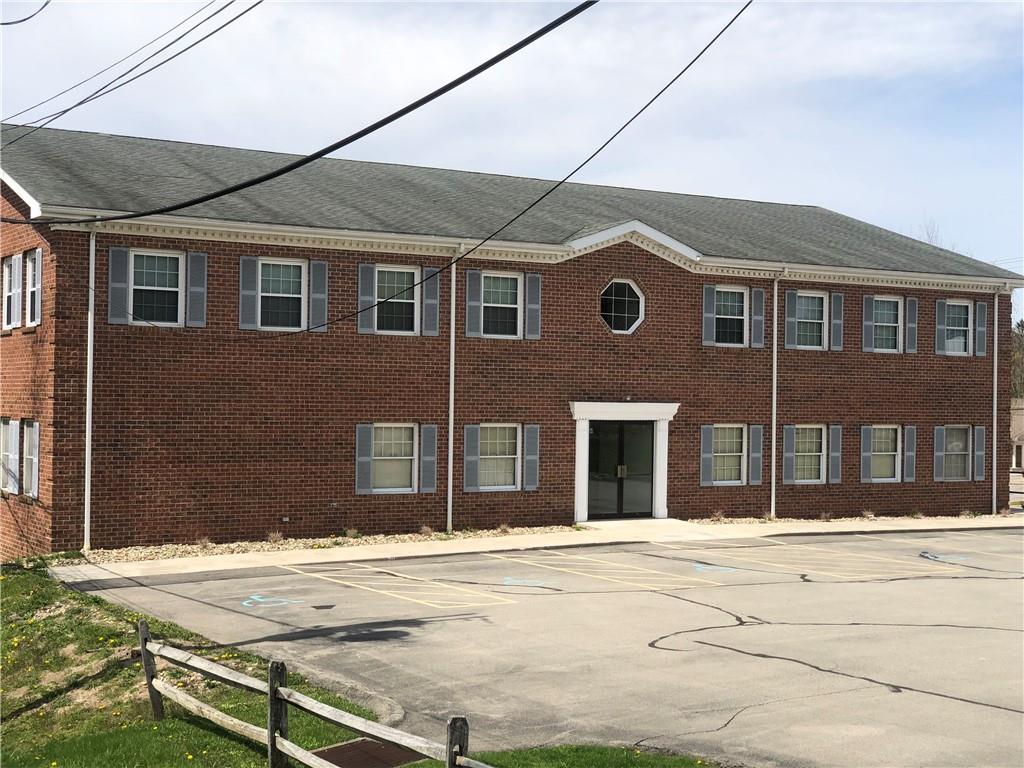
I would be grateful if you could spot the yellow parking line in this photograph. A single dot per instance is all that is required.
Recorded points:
(903, 563)
(638, 568)
(653, 580)
(933, 543)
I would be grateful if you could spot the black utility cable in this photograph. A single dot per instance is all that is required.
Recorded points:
(304, 161)
(108, 67)
(536, 202)
(26, 18)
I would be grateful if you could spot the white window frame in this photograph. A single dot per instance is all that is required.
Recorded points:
(519, 304)
(416, 311)
(304, 300)
(414, 474)
(970, 327)
(29, 477)
(180, 256)
(743, 455)
(519, 460)
(899, 325)
(899, 453)
(746, 314)
(8, 277)
(34, 257)
(970, 455)
(823, 295)
(643, 305)
(822, 458)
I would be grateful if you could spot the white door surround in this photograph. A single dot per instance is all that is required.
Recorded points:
(585, 412)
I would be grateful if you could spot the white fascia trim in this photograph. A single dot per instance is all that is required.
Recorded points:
(627, 231)
(595, 411)
(34, 208)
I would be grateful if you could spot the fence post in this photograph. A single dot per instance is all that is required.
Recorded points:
(149, 667)
(458, 740)
(277, 713)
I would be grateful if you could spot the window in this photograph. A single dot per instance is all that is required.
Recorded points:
(622, 306)
(282, 294)
(33, 289)
(394, 458)
(809, 454)
(1018, 456)
(499, 457)
(399, 286)
(156, 291)
(957, 450)
(8, 455)
(887, 321)
(811, 328)
(731, 316)
(958, 328)
(501, 295)
(30, 459)
(729, 452)
(10, 319)
(885, 454)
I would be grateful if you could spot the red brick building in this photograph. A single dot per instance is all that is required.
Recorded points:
(615, 352)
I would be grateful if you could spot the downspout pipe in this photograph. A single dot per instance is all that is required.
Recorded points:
(995, 399)
(775, 384)
(89, 362)
(449, 521)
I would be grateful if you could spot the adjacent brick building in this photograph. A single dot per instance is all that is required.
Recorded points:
(616, 352)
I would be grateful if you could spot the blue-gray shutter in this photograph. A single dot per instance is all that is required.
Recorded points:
(248, 293)
(430, 323)
(532, 327)
(474, 302)
(757, 317)
(428, 458)
(195, 299)
(980, 327)
(790, 342)
(788, 454)
(868, 338)
(367, 298)
(836, 339)
(835, 453)
(911, 344)
(709, 316)
(531, 457)
(117, 286)
(865, 454)
(707, 456)
(939, 454)
(364, 458)
(471, 458)
(979, 453)
(318, 296)
(940, 327)
(756, 454)
(909, 454)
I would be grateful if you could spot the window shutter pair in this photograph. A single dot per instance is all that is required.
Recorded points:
(249, 294)
(755, 454)
(427, 458)
(118, 270)
(939, 454)
(471, 457)
(475, 304)
(12, 470)
(834, 465)
(756, 317)
(430, 291)
(835, 321)
(909, 449)
(980, 327)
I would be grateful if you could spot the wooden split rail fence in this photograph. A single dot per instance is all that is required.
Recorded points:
(279, 697)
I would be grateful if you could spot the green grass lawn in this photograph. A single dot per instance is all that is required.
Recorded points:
(73, 694)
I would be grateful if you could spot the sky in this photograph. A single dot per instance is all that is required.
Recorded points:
(904, 114)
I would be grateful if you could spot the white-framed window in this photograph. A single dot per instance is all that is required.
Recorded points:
(282, 294)
(33, 288)
(885, 453)
(888, 324)
(958, 327)
(809, 453)
(811, 320)
(500, 448)
(9, 278)
(30, 459)
(957, 453)
(393, 469)
(156, 290)
(731, 315)
(622, 306)
(400, 313)
(8, 455)
(502, 304)
(729, 449)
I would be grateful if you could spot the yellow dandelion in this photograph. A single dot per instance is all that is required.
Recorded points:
(189, 757)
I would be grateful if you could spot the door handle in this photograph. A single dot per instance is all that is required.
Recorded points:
(620, 471)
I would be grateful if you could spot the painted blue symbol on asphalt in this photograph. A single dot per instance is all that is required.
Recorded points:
(720, 568)
(267, 601)
(943, 557)
(513, 582)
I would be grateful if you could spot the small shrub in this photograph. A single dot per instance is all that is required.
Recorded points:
(274, 537)
(916, 515)
(718, 515)
(504, 529)
(204, 542)
(825, 517)
(352, 533)
(867, 513)
(426, 530)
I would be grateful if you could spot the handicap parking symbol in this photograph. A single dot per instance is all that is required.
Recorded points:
(268, 601)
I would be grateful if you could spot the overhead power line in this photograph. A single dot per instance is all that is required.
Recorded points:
(350, 139)
(110, 88)
(108, 67)
(26, 18)
(537, 201)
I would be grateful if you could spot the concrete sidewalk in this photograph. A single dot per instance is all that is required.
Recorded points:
(590, 534)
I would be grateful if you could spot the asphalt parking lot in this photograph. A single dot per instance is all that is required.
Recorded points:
(846, 650)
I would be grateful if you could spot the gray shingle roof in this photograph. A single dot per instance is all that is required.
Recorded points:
(122, 173)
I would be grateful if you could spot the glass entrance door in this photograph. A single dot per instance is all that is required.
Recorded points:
(621, 482)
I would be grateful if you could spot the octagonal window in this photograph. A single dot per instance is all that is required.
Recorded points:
(622, 306)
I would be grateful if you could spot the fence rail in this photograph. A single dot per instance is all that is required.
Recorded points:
(279, 698)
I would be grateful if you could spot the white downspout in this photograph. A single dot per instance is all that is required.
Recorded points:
(775, 382)
(87, 523)
(995, 396)
(451, 392)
